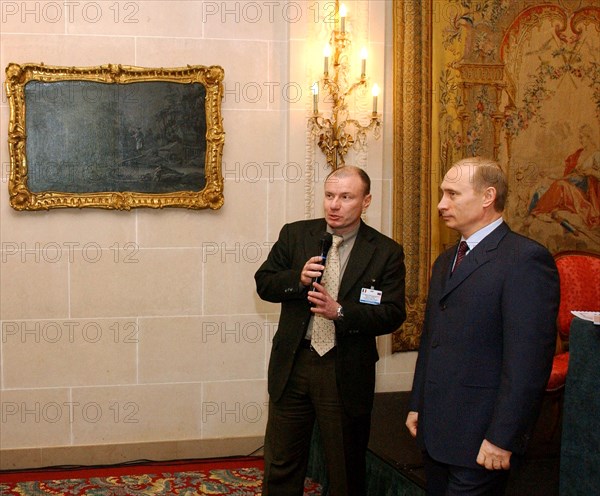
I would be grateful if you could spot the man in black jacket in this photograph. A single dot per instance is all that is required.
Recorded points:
(335, 386)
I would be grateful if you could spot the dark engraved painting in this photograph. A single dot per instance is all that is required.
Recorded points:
(85, 136)
(115, 137)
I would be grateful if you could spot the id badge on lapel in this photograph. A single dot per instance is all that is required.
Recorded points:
(370, 296)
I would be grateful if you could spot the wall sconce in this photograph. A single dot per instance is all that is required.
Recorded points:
(336, 134)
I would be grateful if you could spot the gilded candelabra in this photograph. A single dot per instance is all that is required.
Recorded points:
(337, 133)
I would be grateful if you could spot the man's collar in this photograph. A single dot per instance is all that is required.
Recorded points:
(478, 236)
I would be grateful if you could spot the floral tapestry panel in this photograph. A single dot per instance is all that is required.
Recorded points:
(520, 82)
(552, 126)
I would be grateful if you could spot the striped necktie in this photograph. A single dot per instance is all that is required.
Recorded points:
(463, 248)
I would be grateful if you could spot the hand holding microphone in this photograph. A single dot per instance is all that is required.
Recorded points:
(326, 242)
(313, 269)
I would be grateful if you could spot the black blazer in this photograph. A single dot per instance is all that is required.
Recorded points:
(486, 349)
(375, 261)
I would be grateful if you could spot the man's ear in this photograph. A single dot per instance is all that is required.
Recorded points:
(489, 196)
(366, 202)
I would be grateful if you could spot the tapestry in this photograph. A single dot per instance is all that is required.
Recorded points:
(520, 82)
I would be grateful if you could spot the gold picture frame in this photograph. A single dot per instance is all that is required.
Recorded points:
(414, 223)
(115, 137)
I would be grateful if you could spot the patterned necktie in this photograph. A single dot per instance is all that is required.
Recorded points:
(323, 332)
(463, 248)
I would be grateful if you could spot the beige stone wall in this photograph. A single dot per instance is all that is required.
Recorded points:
(139, 334)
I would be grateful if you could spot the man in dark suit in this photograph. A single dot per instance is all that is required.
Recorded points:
(488, 340)
(305, 381)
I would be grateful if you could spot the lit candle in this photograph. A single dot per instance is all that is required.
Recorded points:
(326, 53)
(315, 92)
(363, 56)
(375, 95)
(343, 13)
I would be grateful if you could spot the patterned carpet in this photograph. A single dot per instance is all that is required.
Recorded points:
(209, 480)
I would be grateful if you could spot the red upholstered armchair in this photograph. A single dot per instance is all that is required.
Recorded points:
(579, 274)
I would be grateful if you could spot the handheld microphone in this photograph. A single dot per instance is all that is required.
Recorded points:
(326, 242)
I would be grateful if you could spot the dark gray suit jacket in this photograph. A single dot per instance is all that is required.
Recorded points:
(375, 261)
(486, 349)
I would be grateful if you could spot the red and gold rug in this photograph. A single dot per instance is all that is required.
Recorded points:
(241, 477)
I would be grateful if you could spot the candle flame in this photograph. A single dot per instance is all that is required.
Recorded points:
(375, 90)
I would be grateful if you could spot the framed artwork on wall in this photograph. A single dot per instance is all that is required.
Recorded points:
(115, 137)
(520, 83)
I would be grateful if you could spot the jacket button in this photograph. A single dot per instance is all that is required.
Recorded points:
(443, 306)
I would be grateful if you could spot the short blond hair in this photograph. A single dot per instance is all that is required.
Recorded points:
(487, 173)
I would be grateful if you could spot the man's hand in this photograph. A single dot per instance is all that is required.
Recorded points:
(312, 268)
(323, 304)
(493, 457)
(412, 421)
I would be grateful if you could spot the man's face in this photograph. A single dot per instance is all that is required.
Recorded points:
(461, 207)
(344, 202)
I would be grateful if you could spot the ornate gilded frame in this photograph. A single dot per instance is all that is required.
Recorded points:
(210, 187)
(413, 170)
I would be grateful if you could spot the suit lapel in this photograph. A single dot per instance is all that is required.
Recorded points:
(478, 256)
(312, 242)
(360, 256)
